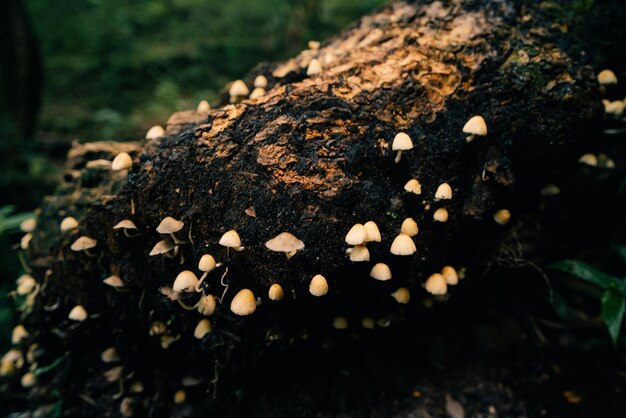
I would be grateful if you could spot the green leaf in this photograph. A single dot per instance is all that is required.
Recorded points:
(11, 223)
(51, 366)
(613, 309)
(589, 273)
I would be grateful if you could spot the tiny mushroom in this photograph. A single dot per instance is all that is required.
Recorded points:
(25, 241)
(450, 275)
(401, 142)
(231, 240)
(403, 245)
(285, 243)
(402, 295)
(359, 253)
(203, 107)
(169, 226)
(84, 243)
(436, 284)
(202, 329)
(368, 323)
(207, 305)
(186, 281)
(260, 81)
(441, 215)
(126, 407)
(206, 265)
(28, 225)
(18, 334)
(244, 303)
(155, 132)
(409, 227)
(25, 284)
(180, 396)
(28, 380)
(381, 271)
(357, 235)
(502, 217)
(164, 246)
(237, 91)
(276, 292)
(67, 224)
(126, 225)
(257, 92)
(318, 285)
(78, 313)
(475, 126)
(589, 159)
(340, 322)
(122, 161)
(444, 192)
(373, 233)
(413, 186)
(314, 67)
(114, 281)
(606, 77)
(109, 355)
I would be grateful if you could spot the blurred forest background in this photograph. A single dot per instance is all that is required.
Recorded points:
(92, 70)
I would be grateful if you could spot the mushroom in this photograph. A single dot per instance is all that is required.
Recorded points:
(413, 186)
(381, 271)
(78, 313)
(109, 355)
(18, 334)
(402, 295)
(314, 68)
(122, 161)
(276, 292)
(25, 241)
(202, 329)
(550, 190)
(163, 247)
(127, 225)
(169, 226)
(244, 303)
(126, 407)
(444, 192)
(401, 142)
(28, 225)
(257, 92)
(403, 245)
(318, 285)
(180, 396)
(285, 243)
(313, 45)
(450, 275)
(203, 107)
(207, 305)
(84, 243)
(475, 126)
(589, 159)
(67, 224)
(28, 380)
(155, 132)
(260, 81)
(357, 235)
(373, 233)
(409, 227)
(340, 322)
(237, 91)
(502, 217)
(441, 215)
(359, 253)
(367, 323)
(206, 265)
(436, 284)
(606, 77)
(114, 281)
(186, 281)
(25, 284)
(231, 240)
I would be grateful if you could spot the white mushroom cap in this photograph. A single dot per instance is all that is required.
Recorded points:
(244, 303)
(502, 217)
(475, 126)
(413, 186)
(340, 322)
(78, 313)
(28, 225)
(169, 225)
(589, 159)
(372, 231)
(69, 223)
(25, 241)
(402, 295)
(401, 142)
(360, 253)
(409, 227)
(450, 275)
(436, 284)
(207, 305)
(114, 281)
(550, 190)
(381, 271)
(441, 215)
(162, 247)
(203, 106)
(313, 45)
(318, 285)
(122, 161)
(180, 396)
(18, 334)
(276, 292)
(403, 245)
(315, 67)
(202, 329)
(231, 239)
(83, 243)
(28, 380)
(444, 192)
(125, 224)
(357, 235)
(260, 81)
(285, 243)
(607, 77)
(155, 132)
(367, 323)
(238, 89)
(186, 281)
(207, 263)
(25, 284)
(257, 92)
(109, 355)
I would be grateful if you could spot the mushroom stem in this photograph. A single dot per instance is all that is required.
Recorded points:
(223, 284)
(176, 240)
(397, 160)
(187, 307)
(89, 253)
(290, 254)
(129, 235)
(25, 266)
(470, 138)
(199, 285)
(172, 254)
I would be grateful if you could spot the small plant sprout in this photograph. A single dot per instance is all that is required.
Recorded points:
(257, 92)
(127, 226)
(436, 285)
(244, 303)
(28, 380)
(403, 245)
(502, 217)
(606, 77)
(238, 91)
(318, 285)
(202, 329)
(180, 396)
(440, 215)
(340, 322)
(381, 271)
(475, 126)
(155, 132)
(207, 305)
(231, 240)
(78, 313)
(203, 107)
(260, 81)
(450, 275)
(401, 142)
(18, 334)
(126, 407)
(314, 67)
(122, 161)
(413, 186)
(359, 253)
(276, 292)
(25, 241)
(285, 243)
(409, 227)
(170, 226)
(28, 225)
(164, 246)
(114, 281)
(206, 265)
(589, 159)
(68, 224)
(109, 355)
(357, 235)
(84, 244)
(186, 281)
(402, 295)
(444, 192)
(373, 233)
(25, 284)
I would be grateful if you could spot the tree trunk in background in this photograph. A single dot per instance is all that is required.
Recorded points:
(312, 157)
